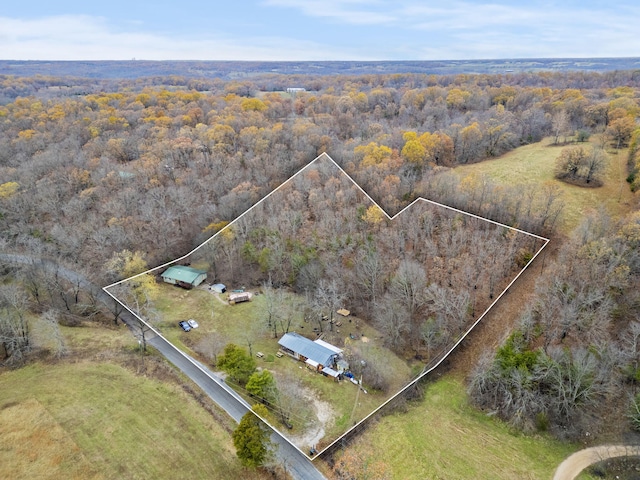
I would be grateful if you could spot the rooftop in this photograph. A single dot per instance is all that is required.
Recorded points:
(307, 348)
(182, 273)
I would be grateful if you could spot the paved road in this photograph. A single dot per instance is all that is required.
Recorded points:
(571, 467)
(54, 268)
(297, 464)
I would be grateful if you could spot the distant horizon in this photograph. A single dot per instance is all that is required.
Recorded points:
(405, 60)
(247, 69)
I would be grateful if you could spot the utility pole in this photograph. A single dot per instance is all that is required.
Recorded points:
(353, 412)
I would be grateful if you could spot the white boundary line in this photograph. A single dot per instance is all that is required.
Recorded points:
(412, 382)
(439, 362)
(224, 386)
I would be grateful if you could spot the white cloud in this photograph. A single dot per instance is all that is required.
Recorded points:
(354, 12)
(459, 16)
(465, 29)
(373, 30)
(463, 14)
(75, 37)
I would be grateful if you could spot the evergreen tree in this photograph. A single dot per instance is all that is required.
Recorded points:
(251, 439)
(237, 363)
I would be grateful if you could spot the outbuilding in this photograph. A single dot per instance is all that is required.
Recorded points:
(184, 276)
(239, 297)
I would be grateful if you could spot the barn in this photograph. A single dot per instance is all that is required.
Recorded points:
(186, 277)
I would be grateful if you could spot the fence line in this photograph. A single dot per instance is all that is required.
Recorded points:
(426, 370)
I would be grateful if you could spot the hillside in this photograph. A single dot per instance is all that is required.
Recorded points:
(533, 165)
(111, 176)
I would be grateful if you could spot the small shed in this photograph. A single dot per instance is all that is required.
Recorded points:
(184, 276)
(218, 288)
(330, 372)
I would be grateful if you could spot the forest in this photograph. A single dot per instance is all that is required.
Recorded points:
(94, 171)
(228, 70)
(413, 285)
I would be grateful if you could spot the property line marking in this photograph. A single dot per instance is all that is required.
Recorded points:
(290, 179)
(425, 371)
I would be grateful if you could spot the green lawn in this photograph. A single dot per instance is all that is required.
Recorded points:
(123, 425)
(237, 323)
(444, 437)
(534, 164)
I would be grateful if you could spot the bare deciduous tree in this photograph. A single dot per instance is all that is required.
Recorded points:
(15, 332)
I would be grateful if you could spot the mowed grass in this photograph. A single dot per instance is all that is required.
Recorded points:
(214, 315)
(534, 164)
(237, 323)
(444, 437)
(99, 420)
(34, 445)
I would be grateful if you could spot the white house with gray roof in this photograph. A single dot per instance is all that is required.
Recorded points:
(318, 354)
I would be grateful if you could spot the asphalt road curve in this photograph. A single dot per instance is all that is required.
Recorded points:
(571, 467)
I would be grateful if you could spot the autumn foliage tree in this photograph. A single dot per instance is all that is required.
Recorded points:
(142, 288)
(619, 131)
(581, 165)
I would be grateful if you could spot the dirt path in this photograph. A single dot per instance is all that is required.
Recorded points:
(576, 463)
(324, 414)
(217, 296)
(502, 318)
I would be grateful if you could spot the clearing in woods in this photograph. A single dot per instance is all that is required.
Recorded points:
(534, 165)
(322, 183)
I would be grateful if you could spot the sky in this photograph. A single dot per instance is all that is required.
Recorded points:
(314, 30)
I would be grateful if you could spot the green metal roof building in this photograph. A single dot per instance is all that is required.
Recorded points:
(184, 276)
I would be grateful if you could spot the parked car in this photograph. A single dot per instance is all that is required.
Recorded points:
(192, 323)
(184, 325)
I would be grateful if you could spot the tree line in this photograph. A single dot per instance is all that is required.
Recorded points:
(575, 353)
(100, 174)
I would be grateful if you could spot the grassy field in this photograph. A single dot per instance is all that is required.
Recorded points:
(534, 164)
(40, 447)
(239, 322)
(443, 437)
(86, 417)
